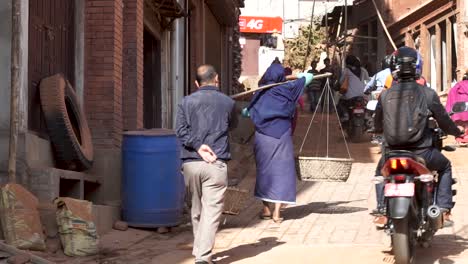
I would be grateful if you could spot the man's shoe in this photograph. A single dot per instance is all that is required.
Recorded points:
(380, 221)
(378, 211)
(447, 216)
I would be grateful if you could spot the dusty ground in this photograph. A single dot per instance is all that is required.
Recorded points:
(329, 224)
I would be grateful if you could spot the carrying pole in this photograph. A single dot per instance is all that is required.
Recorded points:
(15, 86)
(383, 25)
(316, 77)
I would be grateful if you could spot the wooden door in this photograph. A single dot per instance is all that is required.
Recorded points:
(152, 94)
(51, 50)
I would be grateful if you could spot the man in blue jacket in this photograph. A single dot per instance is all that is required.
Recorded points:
(203, 122)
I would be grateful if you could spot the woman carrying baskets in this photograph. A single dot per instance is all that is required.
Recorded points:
(272, 112)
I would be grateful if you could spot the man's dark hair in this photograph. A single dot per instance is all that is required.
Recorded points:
(326, 59)
(206, 74)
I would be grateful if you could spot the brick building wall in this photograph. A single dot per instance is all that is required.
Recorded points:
(133, 65)
(103, 71)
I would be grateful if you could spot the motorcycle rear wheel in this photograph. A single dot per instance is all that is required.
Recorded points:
(356, 133)
(401, 241)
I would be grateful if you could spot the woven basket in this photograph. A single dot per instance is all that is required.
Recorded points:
(234, 200)
(323, 169)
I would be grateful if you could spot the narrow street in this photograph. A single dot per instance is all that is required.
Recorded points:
(329, 224)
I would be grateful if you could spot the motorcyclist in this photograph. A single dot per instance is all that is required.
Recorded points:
(351, 85)
(377, 82)
(406, 65)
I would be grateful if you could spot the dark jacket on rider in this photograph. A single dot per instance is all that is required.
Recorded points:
(438, 113)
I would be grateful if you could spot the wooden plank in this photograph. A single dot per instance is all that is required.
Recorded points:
(426, 51)
(14, 251)
(409, 40)
(449, 46)
(429, 19)
(438, 58)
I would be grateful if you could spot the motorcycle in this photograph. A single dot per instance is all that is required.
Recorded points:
(410, 194)
(370, 110)
(356, 123)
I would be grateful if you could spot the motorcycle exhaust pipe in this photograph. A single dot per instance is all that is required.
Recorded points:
(435, 217)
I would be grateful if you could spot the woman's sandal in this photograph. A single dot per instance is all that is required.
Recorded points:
(265, 217)
(278, 220)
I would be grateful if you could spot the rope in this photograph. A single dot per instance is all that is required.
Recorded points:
(341, 127)
(329, 94)
(310, 124)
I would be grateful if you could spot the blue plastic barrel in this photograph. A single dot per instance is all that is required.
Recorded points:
(153, 186)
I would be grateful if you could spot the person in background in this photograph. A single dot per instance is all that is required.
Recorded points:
(314, 89)
(327, 69)
(205, 152)
(272, 111)
(351, 85)
(377, 82)
(459, 93)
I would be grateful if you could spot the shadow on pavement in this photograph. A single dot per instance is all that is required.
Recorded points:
(443, 249)
(246, 251)
(302, 211)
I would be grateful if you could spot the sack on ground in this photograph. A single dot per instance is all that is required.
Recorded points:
(405, 114)
(76, 228)
(20, 218)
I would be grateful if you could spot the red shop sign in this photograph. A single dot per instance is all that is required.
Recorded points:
(260, 24)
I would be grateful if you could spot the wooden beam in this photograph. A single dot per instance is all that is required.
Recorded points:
(409, 42)
(437, 8)
(426, 51)
(449, 46)
(438, 58)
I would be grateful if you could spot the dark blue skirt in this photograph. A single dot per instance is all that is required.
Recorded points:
(276, 171)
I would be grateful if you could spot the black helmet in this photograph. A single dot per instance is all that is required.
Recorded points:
(386, 62)
(352, 60)
(405, 63)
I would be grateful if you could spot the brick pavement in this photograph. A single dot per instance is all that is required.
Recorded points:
(329, 224)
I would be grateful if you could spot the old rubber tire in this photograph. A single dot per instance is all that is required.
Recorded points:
(66, 124)
(401, 241)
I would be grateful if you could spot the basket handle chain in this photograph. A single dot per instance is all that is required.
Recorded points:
(329, 95)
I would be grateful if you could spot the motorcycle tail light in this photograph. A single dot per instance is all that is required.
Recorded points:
(394, 164)
(426, 178)
(399, 178)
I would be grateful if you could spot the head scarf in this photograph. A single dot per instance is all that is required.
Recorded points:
(274, 74)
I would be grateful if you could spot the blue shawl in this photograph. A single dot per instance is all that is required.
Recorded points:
(272, 110)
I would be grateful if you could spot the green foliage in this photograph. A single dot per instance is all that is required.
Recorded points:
(296, 49)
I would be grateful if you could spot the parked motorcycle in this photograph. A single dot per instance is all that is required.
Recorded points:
(410, 194)
(356, 124)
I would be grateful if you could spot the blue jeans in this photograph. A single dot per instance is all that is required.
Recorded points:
(435, 161)
(314, 96)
